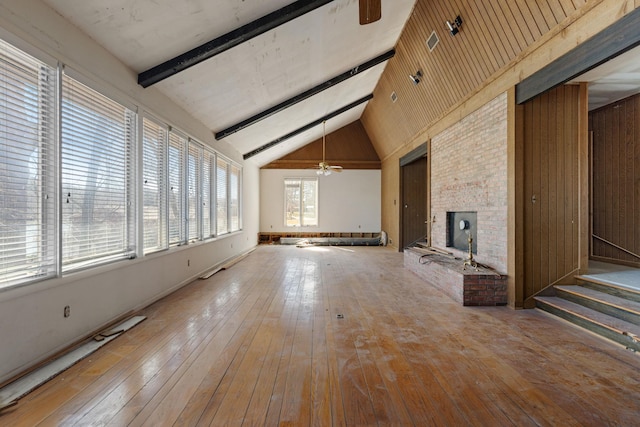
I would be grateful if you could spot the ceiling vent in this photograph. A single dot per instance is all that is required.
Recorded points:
(394, 97)
(432, 41)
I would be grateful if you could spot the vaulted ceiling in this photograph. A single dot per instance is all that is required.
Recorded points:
(324, 49)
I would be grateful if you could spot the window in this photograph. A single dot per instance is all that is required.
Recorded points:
(27, 168)
(208, 166)
(154, 188)
(177, 148)
(69, 172)
(234, 198)
(98, 137)
(194, 191)
(222, 219)
(300, 202)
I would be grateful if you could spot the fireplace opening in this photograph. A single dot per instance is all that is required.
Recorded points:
(459, 226)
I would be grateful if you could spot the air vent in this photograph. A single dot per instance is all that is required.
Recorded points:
(394, 97)
(432, 41)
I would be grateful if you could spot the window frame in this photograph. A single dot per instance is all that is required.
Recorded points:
(83, 97)
(301, 207)
(123, 156)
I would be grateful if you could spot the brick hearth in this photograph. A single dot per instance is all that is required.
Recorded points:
(466, 286)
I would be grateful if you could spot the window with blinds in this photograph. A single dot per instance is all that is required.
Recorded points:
(222, 210)
(208, 166)
(154, 188)
(194, 191)
(27, 168)
(177, 216)
(97, 146)
(234, 198)
(69, 202)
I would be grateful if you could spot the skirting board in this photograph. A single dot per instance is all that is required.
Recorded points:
(23, 385)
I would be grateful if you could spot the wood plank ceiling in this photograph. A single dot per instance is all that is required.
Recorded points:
(493, 33)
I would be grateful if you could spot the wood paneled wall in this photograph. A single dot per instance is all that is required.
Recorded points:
(493, 34)
(349, 147)
(615, 180)
(467, 71)
(551, 188)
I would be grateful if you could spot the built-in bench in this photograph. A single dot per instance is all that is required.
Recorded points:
(468, 286)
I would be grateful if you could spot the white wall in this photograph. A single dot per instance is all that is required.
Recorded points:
(32, 325)
(348, 201)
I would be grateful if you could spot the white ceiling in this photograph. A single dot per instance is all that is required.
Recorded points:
(255, 75)
(614, 80)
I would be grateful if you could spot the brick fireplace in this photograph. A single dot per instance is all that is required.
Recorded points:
(469, 175)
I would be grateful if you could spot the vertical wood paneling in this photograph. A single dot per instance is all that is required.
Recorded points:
(493, 33)
(551, 177)
(616, 180)
(349, 147)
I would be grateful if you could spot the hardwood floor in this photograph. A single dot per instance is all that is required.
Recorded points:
(262, 344)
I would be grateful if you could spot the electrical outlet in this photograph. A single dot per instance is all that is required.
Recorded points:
(67, 311)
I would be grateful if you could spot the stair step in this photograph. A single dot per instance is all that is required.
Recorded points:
(610, 288)
(620, 331)
(610, 304)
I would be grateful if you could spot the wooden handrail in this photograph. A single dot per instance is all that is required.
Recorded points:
(615, 246)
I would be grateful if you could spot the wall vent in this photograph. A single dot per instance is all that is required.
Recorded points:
(432, 41)
(394, 97)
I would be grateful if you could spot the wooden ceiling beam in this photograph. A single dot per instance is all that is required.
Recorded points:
(227, 41)
(615, 40)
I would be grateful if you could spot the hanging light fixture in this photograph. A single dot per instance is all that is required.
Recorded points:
(323, 167)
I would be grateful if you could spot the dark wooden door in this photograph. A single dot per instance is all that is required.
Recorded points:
(414, 182)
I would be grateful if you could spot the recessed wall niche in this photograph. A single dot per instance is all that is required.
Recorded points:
(459, 226)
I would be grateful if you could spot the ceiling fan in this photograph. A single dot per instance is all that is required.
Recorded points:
(323, 167)
(370, 11)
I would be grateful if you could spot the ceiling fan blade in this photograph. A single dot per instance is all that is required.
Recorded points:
(336, 168)
(370, 11)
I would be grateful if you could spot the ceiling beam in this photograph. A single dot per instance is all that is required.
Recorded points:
(227, 41)
(307, 127)
(304, 95)
(614, 40)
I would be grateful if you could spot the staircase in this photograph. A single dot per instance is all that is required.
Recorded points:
(609, 310)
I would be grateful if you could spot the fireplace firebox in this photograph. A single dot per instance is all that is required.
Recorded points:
(459, 226)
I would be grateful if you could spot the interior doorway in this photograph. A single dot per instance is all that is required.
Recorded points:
(414, 198)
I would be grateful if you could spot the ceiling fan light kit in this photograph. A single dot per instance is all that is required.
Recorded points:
(325, 168)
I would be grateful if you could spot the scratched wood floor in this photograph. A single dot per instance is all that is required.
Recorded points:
(262, 344)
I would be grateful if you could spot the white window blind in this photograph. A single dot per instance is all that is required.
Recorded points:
(301, 202)
(98, 136)
(177, 149)
(208, 166)
(154, 176)
(27, 168)
(234, 198)
(222, 210)
(194, 191)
